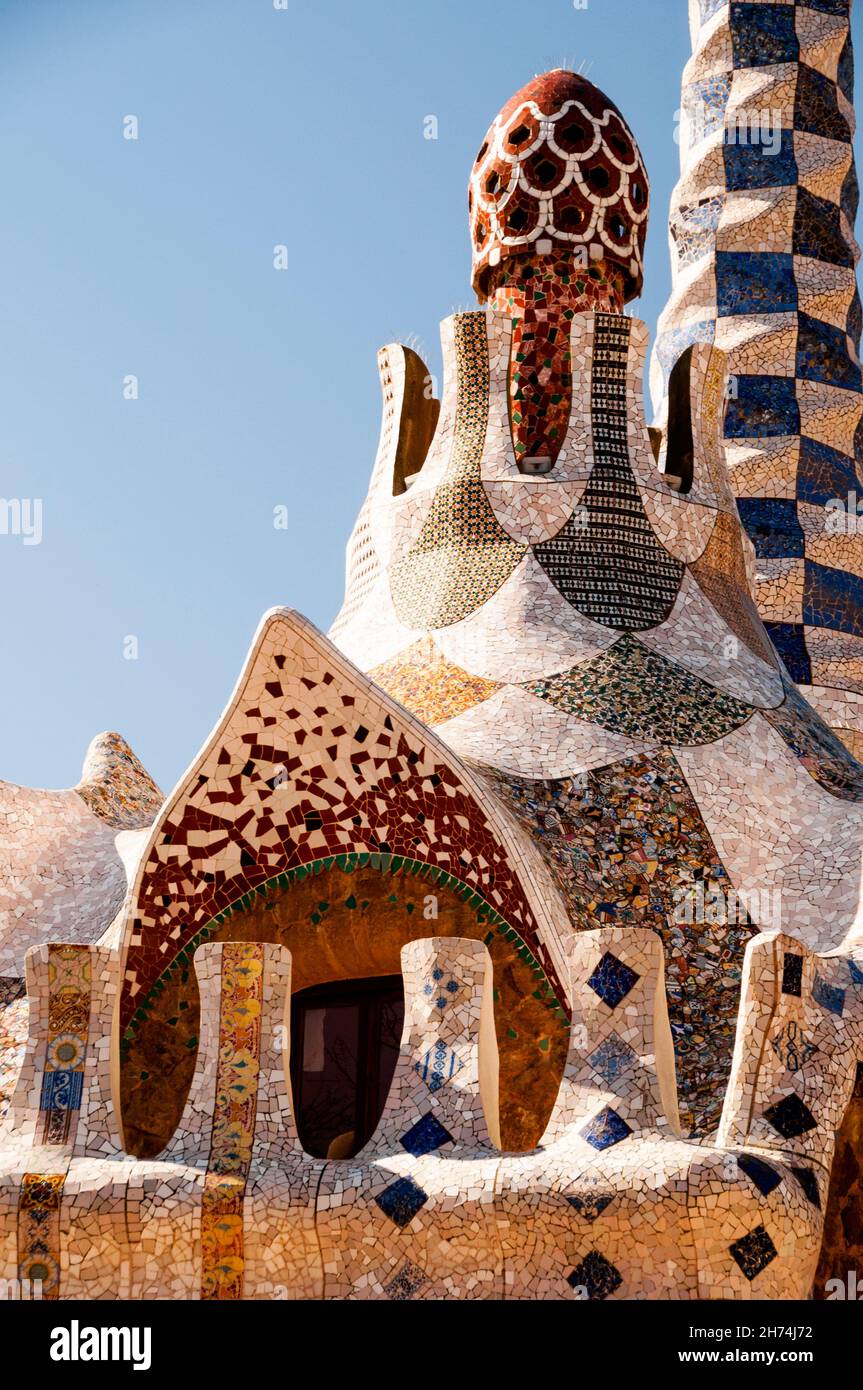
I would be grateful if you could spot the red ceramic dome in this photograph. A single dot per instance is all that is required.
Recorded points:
(559, 169)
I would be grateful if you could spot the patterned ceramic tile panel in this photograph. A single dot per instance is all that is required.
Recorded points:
(52, 1110)
(629, 848)
(13, 1035)
(462, 554)
(607, 560)
(633, 691)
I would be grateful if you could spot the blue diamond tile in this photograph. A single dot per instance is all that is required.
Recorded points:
(612, 980)
(791, 1117)
(402, 1200)
(809, 1182)
(596, 1275)
(828, 996)
(612, 1058)
(606, 1129)
(764, 1175)
(425, 1136)
(754, 1252)
(856, 973)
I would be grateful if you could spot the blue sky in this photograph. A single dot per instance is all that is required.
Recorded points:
(257, 388)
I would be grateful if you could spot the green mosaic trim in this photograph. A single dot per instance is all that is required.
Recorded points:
(349, 863)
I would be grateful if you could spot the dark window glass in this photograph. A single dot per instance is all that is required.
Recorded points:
(344, 1045)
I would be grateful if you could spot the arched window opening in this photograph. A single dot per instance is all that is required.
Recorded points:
(680, 446)
(345, 1040)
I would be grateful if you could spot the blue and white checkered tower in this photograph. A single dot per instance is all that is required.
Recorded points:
(763, 264)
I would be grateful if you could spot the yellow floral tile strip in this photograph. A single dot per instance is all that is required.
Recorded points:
(233, 1121)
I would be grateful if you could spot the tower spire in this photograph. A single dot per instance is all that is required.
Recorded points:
(763, 264)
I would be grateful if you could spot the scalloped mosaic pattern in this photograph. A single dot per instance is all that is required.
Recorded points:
(720, 572)
(435, 689)
(559, 167)
(820, 751)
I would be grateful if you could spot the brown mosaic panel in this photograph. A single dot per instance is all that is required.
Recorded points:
(431, 687)
(542, 295)
(627, 844)
(721, 573)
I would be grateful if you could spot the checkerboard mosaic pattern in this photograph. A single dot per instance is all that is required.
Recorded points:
(765, 269)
